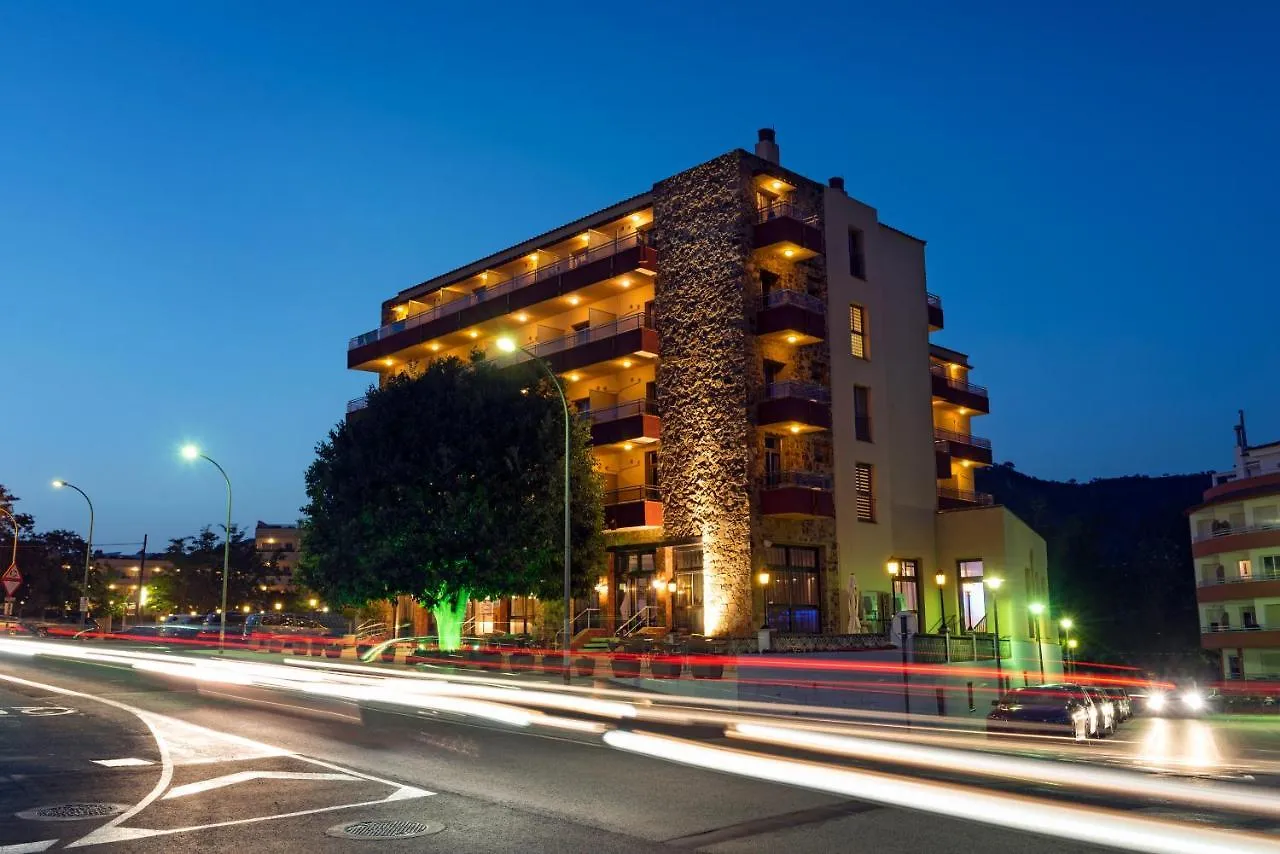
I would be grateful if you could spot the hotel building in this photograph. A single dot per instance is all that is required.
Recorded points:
(771, 421)
(1235, 544)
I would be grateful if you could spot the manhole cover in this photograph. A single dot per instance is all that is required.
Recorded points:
(384, 829)
(72, 812)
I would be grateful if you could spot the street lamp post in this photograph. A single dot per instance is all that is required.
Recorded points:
(1037, 611)
(88, 553)
(1072, 643)
(13, 561)
(191, 452)
(893, 568)
(994, 585)
(1067, 623)
(508, 345)
(762, 579)
(940, 578)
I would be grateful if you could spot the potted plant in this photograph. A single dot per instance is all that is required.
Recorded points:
(333, 650)
(521, 660)
(583, 665)
(388, 654)
(666, 666)
(301, 646)
(703, 661)
(626, 665)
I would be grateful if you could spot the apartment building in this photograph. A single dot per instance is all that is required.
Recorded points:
(279, 547)
(777, 434)
(1235, 544)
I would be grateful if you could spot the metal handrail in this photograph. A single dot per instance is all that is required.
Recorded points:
(787, 296)
(599, 332)
(933, 300)
(940, 371)
(1216, 628)
(806, 479)
(1231, 531)
(941, 435)
(980, 498)
(802, 390)
(764, 213)
(1262, 575)
(628, 494)
(595, 253)
(643, 406)
(638, 621)
(356, 404)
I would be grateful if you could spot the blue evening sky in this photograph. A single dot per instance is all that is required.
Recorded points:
(200, 202)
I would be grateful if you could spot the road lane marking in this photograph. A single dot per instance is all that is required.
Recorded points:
(246, 776)
(127, 762)
(28, 847)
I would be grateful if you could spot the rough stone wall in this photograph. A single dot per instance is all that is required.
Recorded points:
(703, 222)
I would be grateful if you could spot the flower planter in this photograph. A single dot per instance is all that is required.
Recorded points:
(522, 662)
(301, 647)
(489, 659)
(583, 665)
(707, 670)
(333, 650)
(277, 645)
(388, 655)
(666, 666)
(317, 648)
(626, 666)
(362, 649)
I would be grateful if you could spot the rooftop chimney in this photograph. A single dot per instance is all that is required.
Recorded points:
(836, 183)
(767, 148)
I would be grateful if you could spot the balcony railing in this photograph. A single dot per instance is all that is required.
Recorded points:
(622, 410)
(357, 404)
(599, 332)
(787, 209)
(933, 300)
(480, 295)
(1261, 575)
(798, 390)
(941, 435)
(628, 494)
(1242, 529)
(804, 479)
(965, 496)
(775, 299)
(940, 371)
(1214, 628)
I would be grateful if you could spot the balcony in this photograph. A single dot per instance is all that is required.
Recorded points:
(792, 316)
(1237, 539)
(794, 407)
(633, 507)
(935, 312)
(788, 229)
(959, 499)
(1251, 636)
(634, 421)
(962, 446)
(1260, 584)
(797, 495)
(603, 342)
(616, 257)
(959, 392)
(357, 404)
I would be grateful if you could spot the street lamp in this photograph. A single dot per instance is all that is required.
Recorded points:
(508, 345)
(1037, 611)
(940, 578)
(192, 453)
(88, 553)
(994, 585)
(1067, 623)
(762, 578)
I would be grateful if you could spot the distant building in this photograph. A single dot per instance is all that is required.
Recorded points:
(1235, 544)
(780, 441)
(122, 572)
(279, 547)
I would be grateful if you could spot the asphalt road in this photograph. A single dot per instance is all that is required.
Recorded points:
(193, 766)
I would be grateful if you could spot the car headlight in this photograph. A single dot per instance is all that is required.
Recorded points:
(1079, 715)
(1155, 702)
(1193, 700)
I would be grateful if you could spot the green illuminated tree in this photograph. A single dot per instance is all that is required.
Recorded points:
(448, 487)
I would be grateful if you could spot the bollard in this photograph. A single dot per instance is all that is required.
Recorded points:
(1025, 680)
(942, 703)
(972, 707)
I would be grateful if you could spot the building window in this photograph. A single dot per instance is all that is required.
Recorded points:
(862, 413)
(523, 615)
(636, 596)
(858, 331)
(973, 596)
(792, 597)
(906, 587)
(864, 491)
(1245, 568)
(857, 257)
(686, 608)
(1271, 566)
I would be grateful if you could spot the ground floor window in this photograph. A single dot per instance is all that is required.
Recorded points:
(792, 598)
(973, 596)
(906, 586)
(687, 604)
(522, 615)
(637, 598)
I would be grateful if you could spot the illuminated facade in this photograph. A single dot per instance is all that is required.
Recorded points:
(752, 350)
(279, 547)
(1235, 544)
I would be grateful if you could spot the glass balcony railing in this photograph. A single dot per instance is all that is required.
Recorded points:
(481, 295)
(803, 479)
(599, 332)
(775, 299)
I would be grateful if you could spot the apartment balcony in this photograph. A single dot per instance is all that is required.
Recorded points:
(586, 349)
(797, 495)
(961, 446)
(1237, 539)
(794, 407)
(633, 507)
(634, 421)
(792, 316)
(1259, 584)
(960, 499)
(626, 254)
(958, 392)
(1251, 636)
(791, 230)
(356, 407)
(935, 312)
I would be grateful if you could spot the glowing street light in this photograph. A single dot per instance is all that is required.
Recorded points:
(1067, 623)
(192, 453)
(88, 553)
(508, 345)
(940, 578)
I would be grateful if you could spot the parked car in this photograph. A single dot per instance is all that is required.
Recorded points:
(1106, 711)
(1046, 709)
(285, 626)
(1120, 698)
(211, 624)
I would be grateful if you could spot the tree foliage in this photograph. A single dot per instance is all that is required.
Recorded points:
(448, 486)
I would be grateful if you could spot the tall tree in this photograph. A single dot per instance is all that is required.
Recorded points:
(449, 486)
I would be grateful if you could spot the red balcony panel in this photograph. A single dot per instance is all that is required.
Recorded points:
(633, 507)
(628, 428)
(1240, 638)
(1237, 542)
(791, 410)
(1259, 588)
(789, 229)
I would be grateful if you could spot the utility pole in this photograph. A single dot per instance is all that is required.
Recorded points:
(142, 570)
